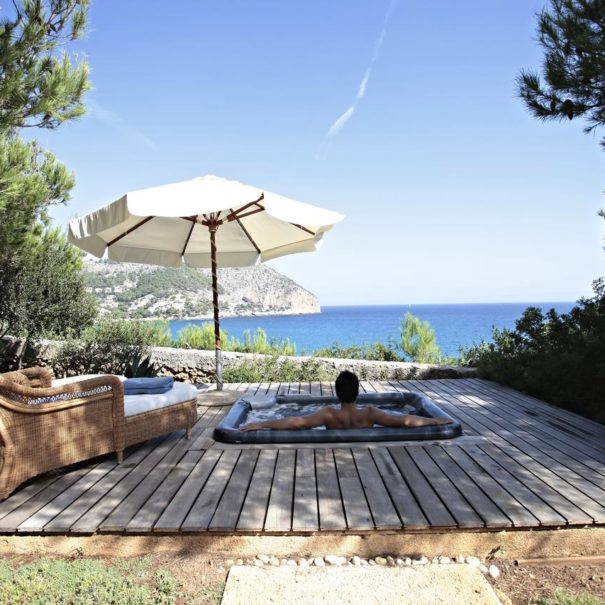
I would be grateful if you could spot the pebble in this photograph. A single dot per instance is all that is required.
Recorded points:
(407, 561)
(356, 561)
(274, 561)
(459, 558)
(319, 562)
(421, 561)
(371, 562)
(483, 568)
(380, 561)
(258, 563)
(263, 558)
(494, 572)
(291, 563)
(239, 562)
(399, 562)
(390, 561)
(444, 560)
(303, 563)
(364, 562)
(473, 561)
(435, 560)
(334, 560)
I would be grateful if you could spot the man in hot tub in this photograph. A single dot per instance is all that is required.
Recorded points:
(348, 416)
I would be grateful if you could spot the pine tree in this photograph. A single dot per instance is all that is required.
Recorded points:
(572, 33)
(38, 87)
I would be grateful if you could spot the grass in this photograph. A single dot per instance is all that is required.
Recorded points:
(86, 582)
(562, 597)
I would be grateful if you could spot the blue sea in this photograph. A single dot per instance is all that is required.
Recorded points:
(456, 326)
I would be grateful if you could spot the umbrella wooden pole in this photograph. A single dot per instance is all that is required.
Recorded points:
(217, 330)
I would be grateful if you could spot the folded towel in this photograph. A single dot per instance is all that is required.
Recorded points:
(148, 386)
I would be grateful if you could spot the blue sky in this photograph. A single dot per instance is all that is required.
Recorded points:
(452, 191)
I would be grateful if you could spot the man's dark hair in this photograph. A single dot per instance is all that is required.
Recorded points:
(347, 387)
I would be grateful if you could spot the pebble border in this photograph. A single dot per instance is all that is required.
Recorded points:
(262, 560)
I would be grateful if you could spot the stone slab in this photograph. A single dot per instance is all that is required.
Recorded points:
(432, 585)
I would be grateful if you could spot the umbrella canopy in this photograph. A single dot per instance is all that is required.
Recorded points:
(204, 222)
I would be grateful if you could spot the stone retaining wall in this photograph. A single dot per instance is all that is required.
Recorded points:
(192, 365)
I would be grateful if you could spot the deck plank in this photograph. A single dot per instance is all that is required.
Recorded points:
(486, 508)
(305, 516)
(383, 512)
(357, 511)
(254, 509)
(173, 516)
(410, 513)
(203, 508)
(155, 505)
(279, 509)
(432, 506)
(230, 505)
(331, 512)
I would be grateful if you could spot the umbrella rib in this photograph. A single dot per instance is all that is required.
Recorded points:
(128, 231)
(247, 234)
(189, 235)
(236, 214)
(303, 228)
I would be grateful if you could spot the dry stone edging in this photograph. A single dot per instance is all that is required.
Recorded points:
(387, 560)
(198, 366)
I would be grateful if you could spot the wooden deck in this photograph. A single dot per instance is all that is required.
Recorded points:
(520, 464)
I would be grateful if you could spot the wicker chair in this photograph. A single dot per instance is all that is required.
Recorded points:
(44, 427)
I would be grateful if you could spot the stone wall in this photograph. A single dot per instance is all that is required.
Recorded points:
(191, 365)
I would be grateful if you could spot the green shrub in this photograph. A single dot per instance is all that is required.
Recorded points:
(279, 369)
(202, 337)
(112, 347)
(418, 340)
(259, 343)
(371, 352)
(556, 357)
(86, 582)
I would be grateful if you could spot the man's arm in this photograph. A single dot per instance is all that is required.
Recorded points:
(293, 422)
(409, 420)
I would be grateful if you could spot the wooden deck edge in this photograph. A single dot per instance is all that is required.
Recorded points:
(528, 544)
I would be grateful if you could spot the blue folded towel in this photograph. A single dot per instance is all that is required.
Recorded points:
(148, 386)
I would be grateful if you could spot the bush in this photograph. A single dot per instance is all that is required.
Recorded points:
(110, 347)
(418, 340)
(279, 369)
(371, 352)
(202, 337)
(558, 358)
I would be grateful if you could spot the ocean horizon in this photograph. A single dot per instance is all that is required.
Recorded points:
(456, 325)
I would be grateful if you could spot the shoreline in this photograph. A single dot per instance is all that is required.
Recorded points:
(225, 315)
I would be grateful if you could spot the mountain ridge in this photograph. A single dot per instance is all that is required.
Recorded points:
(133, 291)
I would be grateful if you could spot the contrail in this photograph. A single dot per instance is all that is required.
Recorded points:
(339, 123)
(113, 120)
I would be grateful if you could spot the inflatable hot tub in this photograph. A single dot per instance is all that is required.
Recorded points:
(254, 409)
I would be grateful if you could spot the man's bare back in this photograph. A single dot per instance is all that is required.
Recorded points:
(348, 416)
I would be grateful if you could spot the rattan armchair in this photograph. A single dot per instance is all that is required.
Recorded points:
(44, 427)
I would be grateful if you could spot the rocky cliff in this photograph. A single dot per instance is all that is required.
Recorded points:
(141, 291)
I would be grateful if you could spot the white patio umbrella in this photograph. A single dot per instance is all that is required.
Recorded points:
(205, 222)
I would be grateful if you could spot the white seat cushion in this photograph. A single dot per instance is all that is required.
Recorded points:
(139, 404)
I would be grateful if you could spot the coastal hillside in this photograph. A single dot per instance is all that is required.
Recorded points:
(127, 290)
